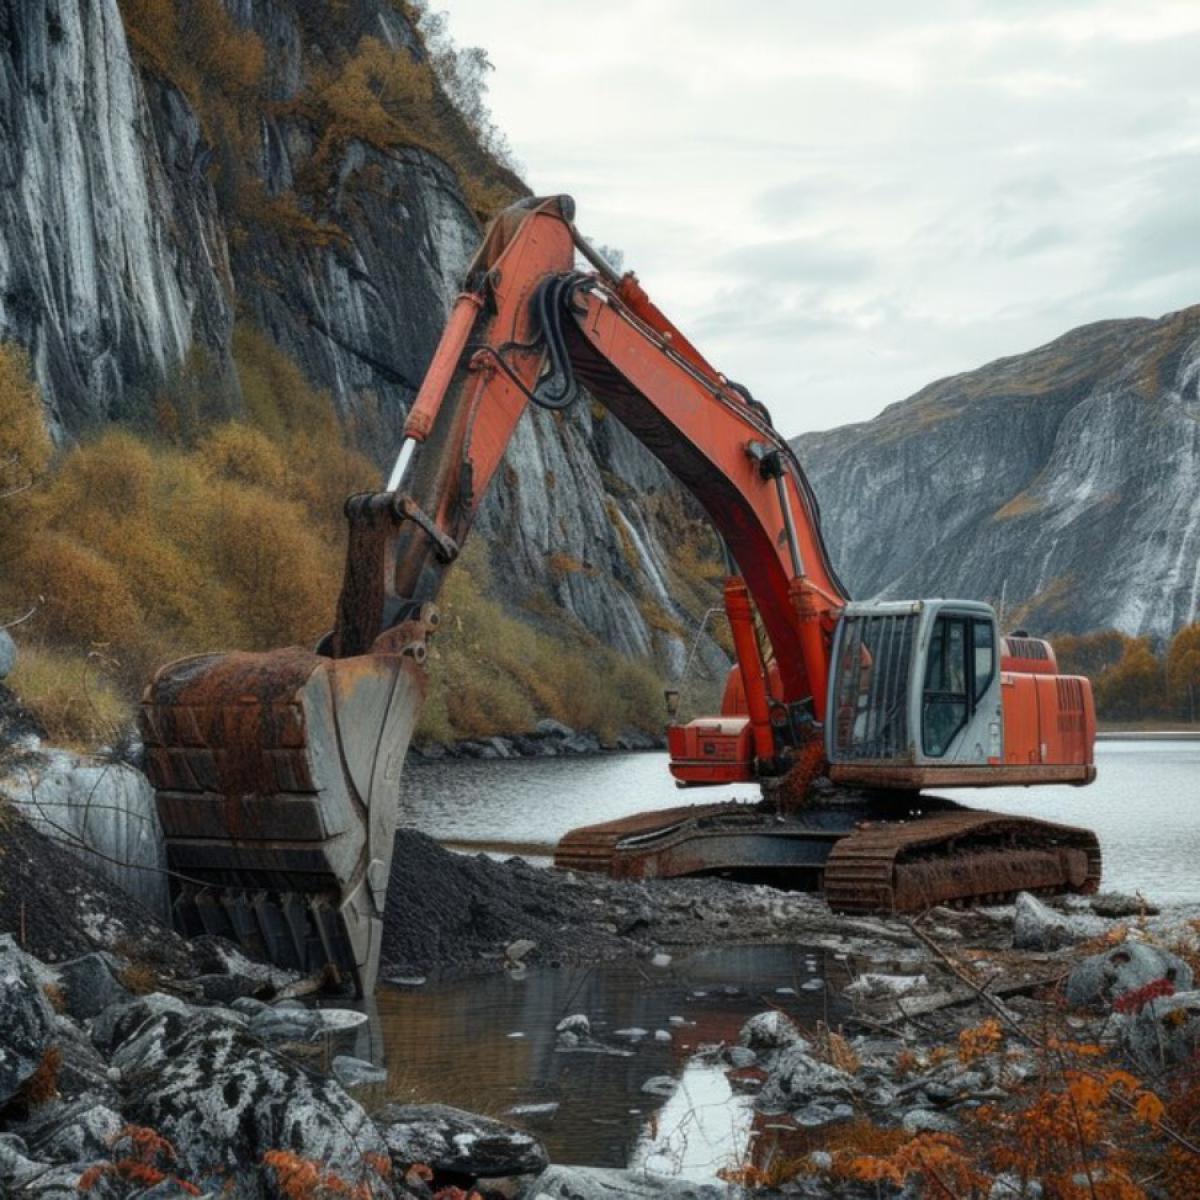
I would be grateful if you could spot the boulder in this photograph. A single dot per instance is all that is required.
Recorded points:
(1103, 978)
(796, 1079)
(611, 1183)
(26, 1019)
(221, 1098)
(457, 1143)
(928, 1120)
(768, 1031)
(1036, 926)
(8, 654)
(1165, 1033)
(90, 984)
(16, 1164)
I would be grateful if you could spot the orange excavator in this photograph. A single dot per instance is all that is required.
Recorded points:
(277, 774)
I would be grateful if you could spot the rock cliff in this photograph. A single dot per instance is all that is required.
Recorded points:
(1066, 479)
(151, 195)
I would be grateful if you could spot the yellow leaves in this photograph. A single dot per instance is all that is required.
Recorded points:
(980, 1041)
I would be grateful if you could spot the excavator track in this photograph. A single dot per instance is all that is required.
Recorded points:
(966, 857)
(863, 864)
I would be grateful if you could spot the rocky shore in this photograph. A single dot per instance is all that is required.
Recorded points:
(134, 1064)
(548, 739)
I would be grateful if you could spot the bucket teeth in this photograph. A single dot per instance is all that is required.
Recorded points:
(277, 788)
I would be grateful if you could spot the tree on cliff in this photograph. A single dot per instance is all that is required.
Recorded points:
(1183, 671)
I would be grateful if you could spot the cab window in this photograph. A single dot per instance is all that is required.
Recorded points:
(960, 667)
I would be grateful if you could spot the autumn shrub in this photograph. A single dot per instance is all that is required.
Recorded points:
(24, 453)
(72, 696)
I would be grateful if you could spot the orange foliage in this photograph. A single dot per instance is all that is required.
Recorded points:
(303, 1179)
(980, 1041)
(145, 1161)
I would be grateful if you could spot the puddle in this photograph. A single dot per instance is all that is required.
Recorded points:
(489, 1045)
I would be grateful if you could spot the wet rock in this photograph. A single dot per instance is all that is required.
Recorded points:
(357, 1072)
(90, 984)
(796, 1078)
(605, 1183)
(519, 950)
(8, 654)
(73, 1131)
(221, 1098)
(1165, 1033)
(661, 1085)
(293, 1022)
(769, 1031)
(1038, 927)
(577, 1023)
(1115, 904)
(26, 1019)
(1103, 978)
(455, 1142)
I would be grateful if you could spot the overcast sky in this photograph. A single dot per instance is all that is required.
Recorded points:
(843, 200)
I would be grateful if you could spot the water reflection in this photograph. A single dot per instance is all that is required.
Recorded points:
(489, 1045)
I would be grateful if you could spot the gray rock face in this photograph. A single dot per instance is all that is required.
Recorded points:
(1032, 471)
(111, 255)
(26, 1020)
(1103, 978)
(455, 1142)
(223, 1100)
(603, 1183)
(117, 268)
(101, 811)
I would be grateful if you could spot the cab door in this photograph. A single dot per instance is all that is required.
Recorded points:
(959, 721)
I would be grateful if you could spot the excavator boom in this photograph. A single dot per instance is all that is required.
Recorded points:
(278, 774)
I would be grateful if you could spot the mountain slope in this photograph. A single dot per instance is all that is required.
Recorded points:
(1066, 479)
(171, 169)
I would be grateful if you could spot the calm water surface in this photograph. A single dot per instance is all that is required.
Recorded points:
(489, 1045)
(1144, 805)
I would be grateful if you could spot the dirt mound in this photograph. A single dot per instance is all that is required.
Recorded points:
(57, 907)
(451, 910)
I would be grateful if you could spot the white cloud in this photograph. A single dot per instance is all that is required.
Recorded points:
(846, 201)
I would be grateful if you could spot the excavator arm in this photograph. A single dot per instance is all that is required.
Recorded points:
(531, 329)
(277, 774)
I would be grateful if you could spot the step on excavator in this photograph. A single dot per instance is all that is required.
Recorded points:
(278, 774)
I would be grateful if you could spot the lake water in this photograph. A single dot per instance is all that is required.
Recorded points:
(1144, 805)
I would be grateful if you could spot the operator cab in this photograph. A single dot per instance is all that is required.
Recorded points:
(927, 692)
